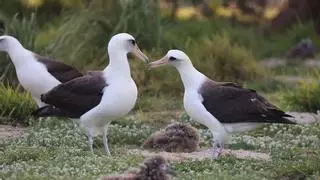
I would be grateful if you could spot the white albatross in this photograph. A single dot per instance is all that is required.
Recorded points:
(223, 107)
(35, 73)
(100, 98)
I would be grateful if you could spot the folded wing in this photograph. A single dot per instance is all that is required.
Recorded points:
(73, 98)
(230, 103)
(59, 70)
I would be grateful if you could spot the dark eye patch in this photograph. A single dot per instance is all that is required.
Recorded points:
(172, 58)
(133, 42)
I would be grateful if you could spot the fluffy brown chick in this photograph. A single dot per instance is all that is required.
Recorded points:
(152, 168)
(176, 137)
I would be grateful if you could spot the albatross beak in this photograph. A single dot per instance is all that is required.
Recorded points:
(137, 52)
(160, 62)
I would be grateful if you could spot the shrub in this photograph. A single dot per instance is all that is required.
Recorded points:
(14, 104)
(306, 97)
(83, 36)
(224, 61)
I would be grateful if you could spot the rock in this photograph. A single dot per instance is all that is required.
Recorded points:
(302, 50)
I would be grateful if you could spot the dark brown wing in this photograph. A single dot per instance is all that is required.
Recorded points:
(77, 96)
(230, 103)
(94, 73)
(59, 70)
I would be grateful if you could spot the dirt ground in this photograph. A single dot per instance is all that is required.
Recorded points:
(7, 131)
(203, 154)
(305, 117)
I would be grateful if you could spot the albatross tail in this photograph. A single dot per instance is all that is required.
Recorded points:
(279, 116)
(51, 111)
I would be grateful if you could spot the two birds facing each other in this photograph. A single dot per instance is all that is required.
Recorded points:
(99, 97)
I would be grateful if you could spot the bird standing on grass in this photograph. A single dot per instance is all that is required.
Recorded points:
(100, 98)
(152, 168)
(223, 107)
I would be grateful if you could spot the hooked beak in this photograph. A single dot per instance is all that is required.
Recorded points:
(137, 52)
(171, 171)
(160, 62)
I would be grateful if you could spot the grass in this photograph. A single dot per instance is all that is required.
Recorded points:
(54, 149)
(304, 97)
(15, 104)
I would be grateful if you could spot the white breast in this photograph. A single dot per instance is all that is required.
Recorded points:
(118, 100)
(194, 107)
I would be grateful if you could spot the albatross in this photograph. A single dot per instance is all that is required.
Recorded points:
(35, 73)
(100, 98)
(224, 107)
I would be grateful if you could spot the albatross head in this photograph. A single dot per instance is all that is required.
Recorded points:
(156, 166)
(175, 58)
(125, 43)
(8, 42)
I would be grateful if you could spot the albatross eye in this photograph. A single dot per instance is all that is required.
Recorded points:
(172, 58)
(133, 42)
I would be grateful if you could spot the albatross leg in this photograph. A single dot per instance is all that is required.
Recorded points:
(217, 148)
(90, 140)
(105, 140)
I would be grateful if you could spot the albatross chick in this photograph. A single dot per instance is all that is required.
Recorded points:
(176, 137)
(152, 168)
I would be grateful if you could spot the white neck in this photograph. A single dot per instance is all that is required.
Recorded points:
(18, 54)
(118, 65)
(190, 76)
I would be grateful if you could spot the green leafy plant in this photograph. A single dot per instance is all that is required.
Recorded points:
(14, 104)
(225, 61)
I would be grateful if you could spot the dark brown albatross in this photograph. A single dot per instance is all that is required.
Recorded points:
(223, 107)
